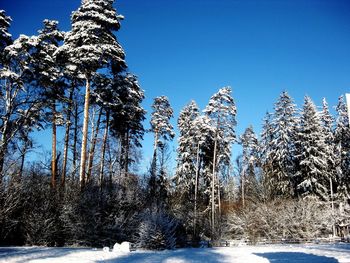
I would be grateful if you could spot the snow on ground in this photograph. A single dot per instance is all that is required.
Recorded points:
(337, 253)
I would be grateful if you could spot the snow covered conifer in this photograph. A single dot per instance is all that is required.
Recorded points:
(187, 148)
(250, 145)
(342, 141)
(47, 75)
(163, 131)
(160, 123)
(284, 125)
(127, 114)
(332, 158)
(221, 109)
(157, 231)
(312, 174)
(89, 46)
(19, 104)
(266, 152)
(5, 36)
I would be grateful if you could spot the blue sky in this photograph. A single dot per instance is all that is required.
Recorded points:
(189, 49)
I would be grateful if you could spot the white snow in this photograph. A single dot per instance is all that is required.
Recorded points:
(329, 253)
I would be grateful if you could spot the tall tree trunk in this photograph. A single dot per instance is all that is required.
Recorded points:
(92, 146)
(6, 129)
(127, 149)
(54, 154)
(243, 182)
(154, 159)
(85, 133)
(66, 138)
(213, 190)
(196, 192)
(103, 149)
(3, 150)
(75, 139)
(23, 155)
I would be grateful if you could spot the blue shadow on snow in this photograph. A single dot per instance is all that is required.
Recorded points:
(295, 257)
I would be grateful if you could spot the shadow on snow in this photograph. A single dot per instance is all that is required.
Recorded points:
(194, 255)
(295, 257)
(36, 253)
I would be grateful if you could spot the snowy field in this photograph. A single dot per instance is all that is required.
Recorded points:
(244, 254)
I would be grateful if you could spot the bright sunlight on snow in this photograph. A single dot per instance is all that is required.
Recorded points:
(252, 254)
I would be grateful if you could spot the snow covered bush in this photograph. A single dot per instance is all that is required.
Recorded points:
(157, 231)
(307, 218)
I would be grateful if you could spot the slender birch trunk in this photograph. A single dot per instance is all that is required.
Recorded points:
(213, 190)
(195, 192)
(85, 133)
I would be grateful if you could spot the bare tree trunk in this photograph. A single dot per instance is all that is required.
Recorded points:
(103, 149)
(3, 150)
(196, 192)
(243, 182)
(219, 201)
(92, 147)
(85, 133)
(5, 129)
(213, 191)
(54, 139)
(66, 138)
(154, 159)
(24, 150)
(127, 149)
(75, 139)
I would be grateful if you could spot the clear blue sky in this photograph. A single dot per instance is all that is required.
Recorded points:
(189, 49)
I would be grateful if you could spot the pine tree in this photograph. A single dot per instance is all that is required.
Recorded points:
(47, 75)
(187, 149)
(20, 106)
(342, 142)
(89, 46)
(282, 146)
(221, 109)
(249, 182)
(332, 158)
(5, 36)
(313, 177)
(163, 131)
(266, 153)
(203, 132)
(127, 117)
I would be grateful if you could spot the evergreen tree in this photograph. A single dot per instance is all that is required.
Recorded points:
(221, 109)
(47, 75)
(332, 158)
(127, 117)
(163, 131)
(20, 106)
(266, 153)
(313, 176)
(342, 141)
(89, 46)
(249, 182)
(5, 36)
(282, 146)
(187, 149)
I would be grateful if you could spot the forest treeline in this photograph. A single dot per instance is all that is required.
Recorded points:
(292, 181)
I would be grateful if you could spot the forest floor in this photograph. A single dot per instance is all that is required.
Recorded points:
(311, 253)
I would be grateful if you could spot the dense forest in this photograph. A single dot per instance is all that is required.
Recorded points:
(291, 182)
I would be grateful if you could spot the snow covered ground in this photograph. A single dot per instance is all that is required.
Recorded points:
(247, 254)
